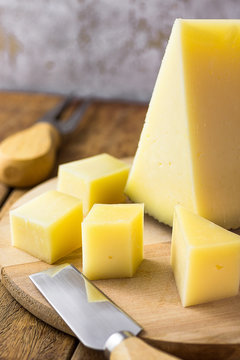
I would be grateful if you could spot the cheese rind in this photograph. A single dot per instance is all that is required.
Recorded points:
(98, 179)
(48, 227)
(112, 238)
(205, 259)
(189, 150)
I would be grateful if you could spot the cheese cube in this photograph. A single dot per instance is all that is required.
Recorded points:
(48, 227)
(189, 150)
(112, 237)
(205, 259)
(98, 179)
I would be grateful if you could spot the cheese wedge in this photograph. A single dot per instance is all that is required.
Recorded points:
(205, 259)
(98, 179)
(189, 150)
(48, 227)
(112, 241)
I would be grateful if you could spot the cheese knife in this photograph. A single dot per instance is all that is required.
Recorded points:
(95, 320)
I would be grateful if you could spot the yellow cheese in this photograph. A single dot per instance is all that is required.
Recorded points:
(48, 227)
(189, 150)
(93, 294)
(112, 241)
(98, 179)
(205, 259)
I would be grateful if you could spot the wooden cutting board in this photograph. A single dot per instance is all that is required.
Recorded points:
(150, 297)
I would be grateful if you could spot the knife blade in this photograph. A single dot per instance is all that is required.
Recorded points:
(96, 321)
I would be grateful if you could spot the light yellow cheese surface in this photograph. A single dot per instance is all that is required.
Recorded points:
(189, 150)
(93, 294)
(112, 238)
(48, 227)
(98, 179)
(205, 259)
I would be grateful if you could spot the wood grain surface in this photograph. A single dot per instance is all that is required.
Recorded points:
(25, 337)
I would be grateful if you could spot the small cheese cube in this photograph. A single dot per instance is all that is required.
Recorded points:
(98, 179)
(48, 227)
(112, 241)
(205, 259)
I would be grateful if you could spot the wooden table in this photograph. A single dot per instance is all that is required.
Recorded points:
(106, 127)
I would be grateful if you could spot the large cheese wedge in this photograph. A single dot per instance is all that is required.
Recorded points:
(205, 259)
(189, 150)
(48, 226)
(97, 179)
(112, 241)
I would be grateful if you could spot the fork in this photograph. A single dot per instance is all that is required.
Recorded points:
(28, 156)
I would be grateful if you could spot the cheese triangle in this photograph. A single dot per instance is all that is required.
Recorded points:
(205, 259)
(189, 150)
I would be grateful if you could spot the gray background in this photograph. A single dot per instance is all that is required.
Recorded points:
(104, 48)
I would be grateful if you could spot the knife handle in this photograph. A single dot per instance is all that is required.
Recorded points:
(27, 157)
(133, 348)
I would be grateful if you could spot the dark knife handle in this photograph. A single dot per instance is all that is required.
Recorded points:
(125, 346)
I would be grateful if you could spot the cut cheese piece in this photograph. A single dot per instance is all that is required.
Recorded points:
(93, 294)
(205, 259)
(189, 150)
(112, 241)
(48, 227)
(98, 179)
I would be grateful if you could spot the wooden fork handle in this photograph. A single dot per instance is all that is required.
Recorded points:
(27, 157)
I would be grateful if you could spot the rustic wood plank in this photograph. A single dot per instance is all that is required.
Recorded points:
(96, 133)
(4, 191)
(106, 127)
(12, 198)
(84, 353)
(20, 110)
(25, 337)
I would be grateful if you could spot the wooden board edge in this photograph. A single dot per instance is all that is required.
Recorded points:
(38, 309)
(193, 351)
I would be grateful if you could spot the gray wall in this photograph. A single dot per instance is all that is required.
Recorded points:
(106, 48)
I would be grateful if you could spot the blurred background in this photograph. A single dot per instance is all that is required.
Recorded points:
(103, 48)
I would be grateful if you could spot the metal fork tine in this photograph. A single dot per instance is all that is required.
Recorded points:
(55, 113)
(71, 123)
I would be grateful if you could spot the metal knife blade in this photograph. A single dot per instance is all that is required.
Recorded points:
(89, 313)
(92, 316)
